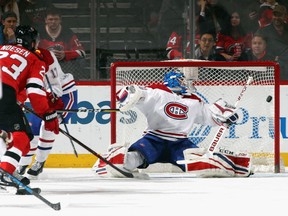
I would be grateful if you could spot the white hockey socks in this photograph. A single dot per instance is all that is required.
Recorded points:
(27, 159)
(45, 144)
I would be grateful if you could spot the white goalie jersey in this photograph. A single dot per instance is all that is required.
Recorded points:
(171, 116)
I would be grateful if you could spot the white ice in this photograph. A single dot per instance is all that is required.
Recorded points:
(81, 193)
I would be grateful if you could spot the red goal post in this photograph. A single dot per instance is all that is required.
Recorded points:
(257, 131)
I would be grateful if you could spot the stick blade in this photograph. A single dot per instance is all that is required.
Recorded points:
(56, 206)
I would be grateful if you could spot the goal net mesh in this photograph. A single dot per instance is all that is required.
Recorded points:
(254, 132)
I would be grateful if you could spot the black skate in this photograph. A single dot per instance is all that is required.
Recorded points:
(36, 168)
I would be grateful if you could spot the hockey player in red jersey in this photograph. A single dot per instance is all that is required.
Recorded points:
(22, 68)
(62, 94)
(171, 111)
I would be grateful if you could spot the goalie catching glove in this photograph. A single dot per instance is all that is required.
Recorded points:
(128, 96)
(223, 113)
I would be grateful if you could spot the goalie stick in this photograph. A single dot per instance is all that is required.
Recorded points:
(88, 110)
(123, 172)
(219, 134)
(55, 206)
(61, 116)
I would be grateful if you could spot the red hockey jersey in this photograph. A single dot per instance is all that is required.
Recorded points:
(22, 69)
(66, 41)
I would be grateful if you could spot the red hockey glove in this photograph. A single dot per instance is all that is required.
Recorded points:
(51, 121)
(54, 103)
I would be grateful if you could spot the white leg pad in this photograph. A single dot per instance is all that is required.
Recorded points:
(218, 164)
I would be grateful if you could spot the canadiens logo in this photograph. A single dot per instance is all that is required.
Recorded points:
(176, 111)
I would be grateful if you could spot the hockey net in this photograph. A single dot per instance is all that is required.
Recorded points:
(256, 132)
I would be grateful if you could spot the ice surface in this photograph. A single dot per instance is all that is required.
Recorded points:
(80, 193)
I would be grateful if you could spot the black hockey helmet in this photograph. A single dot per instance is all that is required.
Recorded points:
(26, 35)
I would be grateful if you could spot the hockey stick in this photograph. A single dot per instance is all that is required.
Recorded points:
(55, 206)
(126, 174)
(218, 136)
(88, 110)
(65, 126)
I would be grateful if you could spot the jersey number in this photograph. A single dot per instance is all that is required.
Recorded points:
(18, 64)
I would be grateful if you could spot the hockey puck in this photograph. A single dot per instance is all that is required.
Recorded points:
(269, 98)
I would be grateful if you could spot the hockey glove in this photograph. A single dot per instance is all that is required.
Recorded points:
(55, 103)
(128, 97)
(51, 122)
(223, 113)
(7, 137)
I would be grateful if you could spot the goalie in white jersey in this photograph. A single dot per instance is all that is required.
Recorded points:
(171, 110)
(63, 96)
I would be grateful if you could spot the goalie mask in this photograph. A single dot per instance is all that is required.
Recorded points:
(176, 82)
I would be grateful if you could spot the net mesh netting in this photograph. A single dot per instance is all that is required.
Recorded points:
(254, 132)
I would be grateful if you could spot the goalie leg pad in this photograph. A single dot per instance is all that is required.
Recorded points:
(219, 165)
(133, 160)
(115, 155)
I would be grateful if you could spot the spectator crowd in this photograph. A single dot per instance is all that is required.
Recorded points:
(258, 32)
(225, 30)
(46, 18)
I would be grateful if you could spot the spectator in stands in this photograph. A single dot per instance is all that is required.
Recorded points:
(250, 13)
(233, 42)
(7, 29)
(206, 49)
(265, 12)
(277, 38)
(9, 6)
(258, 49)
(277, 32)
(174, 47)
(170, 19)
(213, 16)
(32, 12)
(60, 40)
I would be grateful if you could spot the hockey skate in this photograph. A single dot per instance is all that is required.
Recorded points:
(22, 178)
(6, 181)
(21, 169)
(36, 168)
